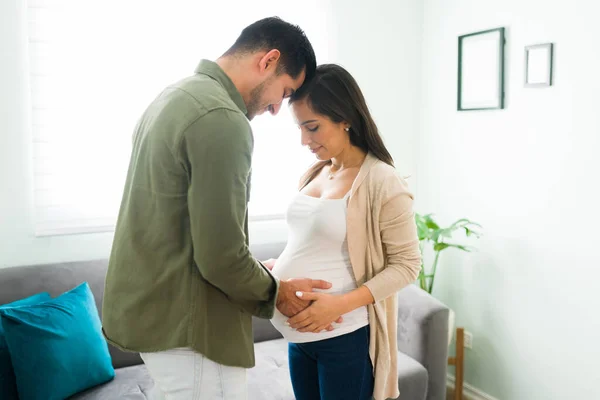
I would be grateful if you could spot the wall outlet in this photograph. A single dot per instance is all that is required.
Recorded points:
(468, 340)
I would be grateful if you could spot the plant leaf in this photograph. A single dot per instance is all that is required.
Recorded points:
(442, 246)
(421, 227)
(446, 232)
(430, 223)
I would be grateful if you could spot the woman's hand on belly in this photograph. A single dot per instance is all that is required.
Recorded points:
(324, 310)
(288, 303)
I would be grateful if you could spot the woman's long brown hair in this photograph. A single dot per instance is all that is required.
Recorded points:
(334, 93)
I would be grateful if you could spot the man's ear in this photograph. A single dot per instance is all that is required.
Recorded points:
(269, 61)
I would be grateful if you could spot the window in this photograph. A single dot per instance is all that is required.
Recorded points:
(95, 66)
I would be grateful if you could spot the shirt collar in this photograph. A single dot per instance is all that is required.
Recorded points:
(213, 70)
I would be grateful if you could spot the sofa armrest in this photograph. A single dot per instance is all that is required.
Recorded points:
(423, 335)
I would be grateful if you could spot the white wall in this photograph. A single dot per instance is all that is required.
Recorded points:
(376, 41)
(529, 175)
(379, 42)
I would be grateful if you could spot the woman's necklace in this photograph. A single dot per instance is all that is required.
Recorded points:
(331, 174)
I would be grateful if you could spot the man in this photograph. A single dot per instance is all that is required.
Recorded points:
(182, 285)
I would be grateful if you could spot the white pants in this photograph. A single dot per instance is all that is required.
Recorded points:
(182, 374)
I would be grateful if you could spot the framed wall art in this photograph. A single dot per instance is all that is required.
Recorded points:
(538, 65)
(481, 70)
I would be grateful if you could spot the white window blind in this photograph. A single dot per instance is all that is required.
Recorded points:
(95, 66)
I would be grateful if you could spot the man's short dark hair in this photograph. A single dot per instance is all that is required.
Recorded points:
(274, 33)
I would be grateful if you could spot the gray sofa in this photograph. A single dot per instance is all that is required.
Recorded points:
(422, 337)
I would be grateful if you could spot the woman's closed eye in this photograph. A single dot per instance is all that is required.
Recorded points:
(313, 128)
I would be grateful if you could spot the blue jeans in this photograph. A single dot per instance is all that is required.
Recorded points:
(333, 369)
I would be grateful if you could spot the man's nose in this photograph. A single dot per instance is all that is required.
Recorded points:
(275, 108)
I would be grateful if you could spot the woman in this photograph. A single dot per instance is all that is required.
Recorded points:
(351, 224)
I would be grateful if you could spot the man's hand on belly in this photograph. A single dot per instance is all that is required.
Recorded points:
(288, 303)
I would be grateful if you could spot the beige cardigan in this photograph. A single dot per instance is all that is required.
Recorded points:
(385, 257)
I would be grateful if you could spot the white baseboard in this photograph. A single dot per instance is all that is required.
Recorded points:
(470, 392)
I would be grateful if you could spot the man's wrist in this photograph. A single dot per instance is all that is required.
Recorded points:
(283, 287)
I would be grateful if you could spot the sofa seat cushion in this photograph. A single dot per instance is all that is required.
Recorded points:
(412, 378)
(130, 383)
(270, 378)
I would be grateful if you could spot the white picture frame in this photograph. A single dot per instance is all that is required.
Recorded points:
(538, 65)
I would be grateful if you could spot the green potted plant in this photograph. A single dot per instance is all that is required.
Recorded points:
(431, 234)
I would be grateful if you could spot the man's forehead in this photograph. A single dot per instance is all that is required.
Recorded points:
(296, 83)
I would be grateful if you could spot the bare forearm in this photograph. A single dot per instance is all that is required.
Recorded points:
(357, 298)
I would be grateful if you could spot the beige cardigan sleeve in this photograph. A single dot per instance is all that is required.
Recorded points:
(399, 238)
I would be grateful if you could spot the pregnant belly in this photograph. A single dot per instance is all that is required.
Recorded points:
(338, 273)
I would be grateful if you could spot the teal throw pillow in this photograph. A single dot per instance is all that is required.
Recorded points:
(56, 347)
(8, 384)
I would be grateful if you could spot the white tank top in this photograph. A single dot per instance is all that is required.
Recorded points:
(317, 248)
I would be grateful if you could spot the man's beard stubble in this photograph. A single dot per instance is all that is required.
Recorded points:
(254, 105)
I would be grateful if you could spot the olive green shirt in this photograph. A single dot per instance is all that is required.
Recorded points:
(180, 272)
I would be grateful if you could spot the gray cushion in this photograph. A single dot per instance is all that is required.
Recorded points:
(412, 378)
(19, 282)
(130, 383)
(263, 252)
(270, 378)
(263, 330)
